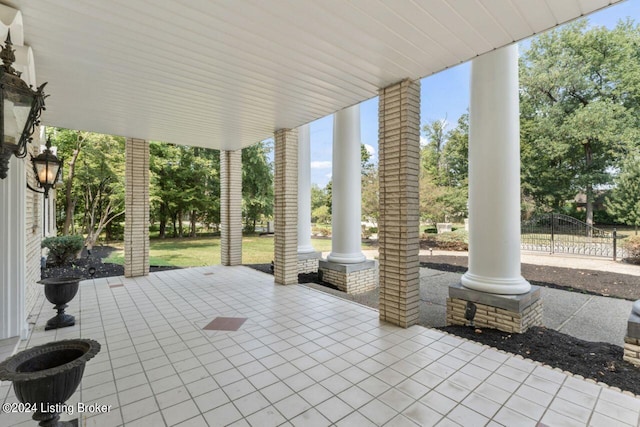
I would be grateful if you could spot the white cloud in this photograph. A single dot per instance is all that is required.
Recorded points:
(325, 164)
(329, 175)
(423, 141)
(370, 149)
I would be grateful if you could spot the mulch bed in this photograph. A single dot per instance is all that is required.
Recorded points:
(80, 267)
(591, 282)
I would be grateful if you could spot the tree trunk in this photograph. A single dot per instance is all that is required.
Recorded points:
(589, 208)
(163, 221)
(193, 223)
(174, 219)
(588, 153)
(70, 202)
(180, 231)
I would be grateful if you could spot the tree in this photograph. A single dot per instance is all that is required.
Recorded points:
(432, 159)
(455, 154)
(624, 204)
(444, 171)
(580, 93)
(185, 185)
(257, 184)
(370, 207)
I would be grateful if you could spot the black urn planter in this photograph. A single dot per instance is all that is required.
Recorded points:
(47, 375)
(59, 291)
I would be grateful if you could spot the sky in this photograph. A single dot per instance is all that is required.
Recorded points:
(442, 96)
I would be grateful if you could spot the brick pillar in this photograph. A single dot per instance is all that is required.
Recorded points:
(286, 207)
(136, 224)
(231, 207)
(399, 168)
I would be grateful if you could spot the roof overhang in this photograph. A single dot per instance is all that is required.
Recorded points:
(226, 74)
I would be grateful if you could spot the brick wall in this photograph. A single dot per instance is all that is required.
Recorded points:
(496, 318)
(632, 350)
(286, 207)
(231, 207)
(399, 168)
(354, 282)
(136, 228)
(307, 265)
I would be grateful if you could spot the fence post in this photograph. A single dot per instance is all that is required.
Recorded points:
(552, 237)
(615, 244)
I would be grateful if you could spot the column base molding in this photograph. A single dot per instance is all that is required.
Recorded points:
(350, 278)
(508, 313)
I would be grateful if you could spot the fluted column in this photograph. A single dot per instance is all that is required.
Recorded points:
(346, 192)
(494, 176)
(12, 251)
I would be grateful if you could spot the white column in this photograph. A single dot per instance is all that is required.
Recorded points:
(304, 191)
(12, 251)
(494, 176)
(346, 195)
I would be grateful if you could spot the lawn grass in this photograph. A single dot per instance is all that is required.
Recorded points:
(201, 251)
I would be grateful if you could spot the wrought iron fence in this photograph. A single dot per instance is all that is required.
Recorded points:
(557, 233)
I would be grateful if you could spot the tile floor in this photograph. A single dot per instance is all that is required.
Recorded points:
(302, 358)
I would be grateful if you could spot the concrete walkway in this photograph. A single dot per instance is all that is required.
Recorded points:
(588, 317)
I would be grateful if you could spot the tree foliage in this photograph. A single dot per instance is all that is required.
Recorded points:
(257, 184)
(579, 97)
(185, 186)
(444, 172)
(624, 203)
(94, 184)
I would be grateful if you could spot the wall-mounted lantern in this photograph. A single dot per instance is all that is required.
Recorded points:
(20, 109)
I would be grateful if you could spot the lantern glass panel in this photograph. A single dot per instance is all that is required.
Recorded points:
(47, 172)
(16, 114)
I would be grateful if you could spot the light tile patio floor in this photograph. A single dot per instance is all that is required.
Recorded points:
(302, 358)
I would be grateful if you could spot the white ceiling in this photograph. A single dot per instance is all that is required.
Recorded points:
(226, 73)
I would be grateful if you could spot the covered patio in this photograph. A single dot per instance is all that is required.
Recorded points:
(301, 357)
(225, 75)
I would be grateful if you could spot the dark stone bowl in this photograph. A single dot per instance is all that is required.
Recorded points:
(48, 374)
(59, 291)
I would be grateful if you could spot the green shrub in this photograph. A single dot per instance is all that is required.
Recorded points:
(632, 245)
(63, 249)
(454, 241)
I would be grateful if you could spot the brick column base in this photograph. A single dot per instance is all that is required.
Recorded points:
(508, 313)
(350, 278)
(632, 340)
(632, 350)
(308, 262)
